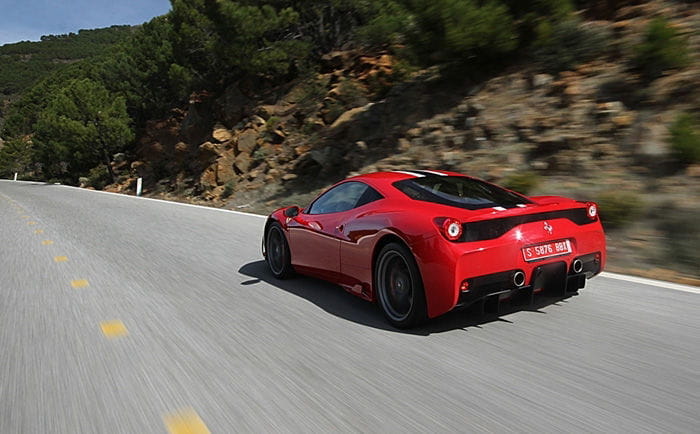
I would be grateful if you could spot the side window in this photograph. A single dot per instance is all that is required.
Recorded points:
(344, 197)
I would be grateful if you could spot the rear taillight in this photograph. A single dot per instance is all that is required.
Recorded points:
(450, 228)
(592, 210)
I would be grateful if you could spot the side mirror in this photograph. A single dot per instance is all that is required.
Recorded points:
(292, 211)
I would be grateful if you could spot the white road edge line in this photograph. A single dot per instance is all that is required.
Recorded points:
(633, 279)
(651, 282)
(146, 198)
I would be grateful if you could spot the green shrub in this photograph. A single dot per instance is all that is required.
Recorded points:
(260, 155)
(460, 31)
(522, 182)
(335, 109)
(685, 138)
(619, 208)
(682, 237)
(311, 92)
(98, 177)
(381, 83)
(351, 94)
(272, 124)
(662, 48)
(228, 189)
(563, 45)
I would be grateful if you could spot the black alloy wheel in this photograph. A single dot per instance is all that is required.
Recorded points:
(399, 286)
(277, 252)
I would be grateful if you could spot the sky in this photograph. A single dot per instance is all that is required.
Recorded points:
(28, 20)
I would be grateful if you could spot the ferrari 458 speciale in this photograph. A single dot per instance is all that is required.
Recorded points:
(422, 242)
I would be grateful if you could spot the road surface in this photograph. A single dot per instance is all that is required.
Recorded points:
(127, 315)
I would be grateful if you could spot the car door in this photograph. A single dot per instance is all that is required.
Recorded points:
(315, 233)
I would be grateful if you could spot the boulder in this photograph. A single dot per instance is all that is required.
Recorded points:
(277, 136)
(541, 80)
(247, 141)
(233, 105)
(693, 171)
(221, 133)
(256, 121)
(280, 110)
(623, 120)
(208, 179)
(242, 162)
(334, 60)
(207, 152)
(302, 149)
(324, 156)
(195, 127)
(224, 168)
(140, 168)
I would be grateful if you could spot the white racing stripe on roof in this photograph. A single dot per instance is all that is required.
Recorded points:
(434, 172)
(417, 175)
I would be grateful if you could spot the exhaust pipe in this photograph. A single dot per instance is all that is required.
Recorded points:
(577, 266)
(519, 278)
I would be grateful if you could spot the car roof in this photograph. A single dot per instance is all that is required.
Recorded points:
(383, 180)
(398, 175)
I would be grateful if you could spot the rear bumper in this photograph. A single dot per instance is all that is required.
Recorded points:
(556, 278)
(487, 267)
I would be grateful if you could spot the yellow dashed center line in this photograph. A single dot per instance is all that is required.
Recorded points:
(80, 283)
(39, 231)
(31, 223)
(25, 216)
(185, 422)
(113, 329)
(60, 258)
(47, 242)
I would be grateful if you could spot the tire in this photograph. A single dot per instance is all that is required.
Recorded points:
(277, 253)
(399, 287)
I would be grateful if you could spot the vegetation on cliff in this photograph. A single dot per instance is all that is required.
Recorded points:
(207, 45)
(22, 64)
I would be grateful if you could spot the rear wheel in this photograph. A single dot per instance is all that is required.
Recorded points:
(277, 252)
(399, 286)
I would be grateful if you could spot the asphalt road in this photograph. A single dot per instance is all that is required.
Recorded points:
(125, 315)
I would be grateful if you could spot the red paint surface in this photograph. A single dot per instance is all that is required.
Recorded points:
(340, 247)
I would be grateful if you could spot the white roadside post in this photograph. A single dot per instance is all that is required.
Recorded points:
(15, 176)
(139, 185)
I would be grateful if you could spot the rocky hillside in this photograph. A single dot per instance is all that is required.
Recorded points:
(598, 132)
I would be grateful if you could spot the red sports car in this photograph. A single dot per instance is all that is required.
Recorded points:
(422, 242)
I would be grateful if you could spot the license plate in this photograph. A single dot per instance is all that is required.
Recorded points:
(547, 250)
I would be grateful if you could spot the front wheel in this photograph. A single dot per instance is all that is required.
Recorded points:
(277, 252)
(399, 286)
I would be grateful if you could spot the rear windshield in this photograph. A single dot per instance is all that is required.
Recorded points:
(459, 191)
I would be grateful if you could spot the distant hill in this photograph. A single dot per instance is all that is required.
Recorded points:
(24, 63)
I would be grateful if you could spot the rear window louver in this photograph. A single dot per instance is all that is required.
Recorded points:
(491, 229)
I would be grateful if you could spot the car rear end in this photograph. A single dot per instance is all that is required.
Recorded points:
(519, 255)
(500, 245)
(554, 250)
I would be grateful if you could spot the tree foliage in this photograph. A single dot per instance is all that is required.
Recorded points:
(568, 43)
(15, 157)
(82, 112)
(82, 125)
(24, 63)
(662, 48)
(685, 138)
(461, 30)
